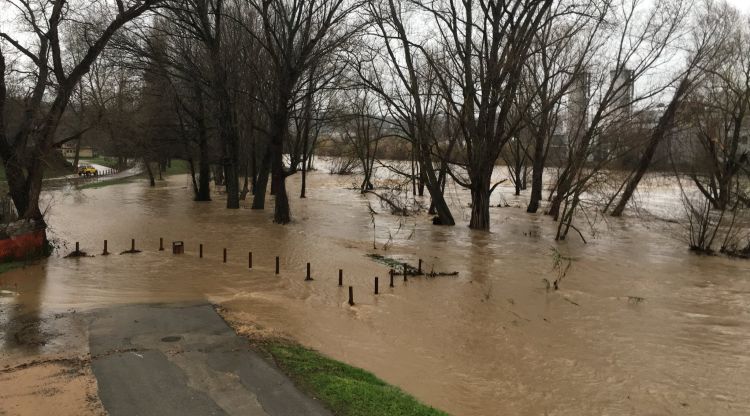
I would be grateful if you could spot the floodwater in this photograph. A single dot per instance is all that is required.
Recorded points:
(640, 326)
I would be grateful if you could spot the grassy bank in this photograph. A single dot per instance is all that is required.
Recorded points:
(109, 162)
(178, 167)
(346, 390)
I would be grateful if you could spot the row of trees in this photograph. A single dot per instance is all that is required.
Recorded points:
(245, 88)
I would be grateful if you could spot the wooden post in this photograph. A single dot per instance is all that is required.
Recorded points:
(277, 264)
(161, 244)
(200, 251)
(132, 244)
(419, 268)
(105, 252)
(225, 255)
(249, 259)
(405, 272)
(351, 296)
(308, 277)
(376, 285)
(77, 248)
(341, 277)
(391, 272)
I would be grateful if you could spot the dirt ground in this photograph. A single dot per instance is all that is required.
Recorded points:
(54, 387)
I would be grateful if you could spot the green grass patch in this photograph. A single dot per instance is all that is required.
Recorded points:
(109, 162)
(178, 167)
(346, 390)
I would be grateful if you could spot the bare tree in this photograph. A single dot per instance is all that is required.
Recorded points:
(54, 78)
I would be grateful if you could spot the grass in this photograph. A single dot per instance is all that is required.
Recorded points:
(346, 390)
(178, 167)
(99, 160)
(10, 265)
(49, 172)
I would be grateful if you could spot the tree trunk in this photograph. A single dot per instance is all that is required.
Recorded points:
(259, 197)
(204, 169)
(281, 213)
(76, 158)
(480, 206)
(151, 180)
(660, 131)
(537, 175)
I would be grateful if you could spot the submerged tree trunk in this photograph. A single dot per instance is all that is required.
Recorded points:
(151, 179)
(480, 202)
(537, 175)
(261, 185)
(660, 131)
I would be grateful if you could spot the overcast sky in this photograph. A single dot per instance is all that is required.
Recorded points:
(743, 5)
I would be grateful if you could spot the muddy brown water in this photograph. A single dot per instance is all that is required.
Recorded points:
(640, 325)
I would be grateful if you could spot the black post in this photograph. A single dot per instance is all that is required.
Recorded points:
(161, 244)
(77, 247)
(249, 259)
(341, 277)
(225, 255)
(277, 264)
(404, 272)
(308, 272)
(200, 251)
(391, 273)
(376, 285)
(105, 252)
(419, 268)
(351, 296)
(132, 244)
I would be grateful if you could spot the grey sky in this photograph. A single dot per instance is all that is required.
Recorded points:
(743, 5)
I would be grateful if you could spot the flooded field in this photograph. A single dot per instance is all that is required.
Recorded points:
(640, 325)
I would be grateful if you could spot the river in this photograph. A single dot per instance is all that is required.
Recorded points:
(640, 326)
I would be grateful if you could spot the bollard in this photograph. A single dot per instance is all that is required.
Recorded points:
(249, 259)
(132, 244)
(77, 248)
(391, 273)
(161, 244)
(277, 264)
(200, 251)
(178, 247)
(376, 285)
(225, 255)
(308, 277)
(405, 272)
(341, 277)
(105, 252)
(351, 296)
(419, 268)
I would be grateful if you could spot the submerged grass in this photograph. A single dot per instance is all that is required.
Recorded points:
(10, 265)
(346, 390)
(107, 182)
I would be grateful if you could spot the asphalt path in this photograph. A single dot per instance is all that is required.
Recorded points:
(185, 360)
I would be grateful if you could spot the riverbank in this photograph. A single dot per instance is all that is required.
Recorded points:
(346, 390)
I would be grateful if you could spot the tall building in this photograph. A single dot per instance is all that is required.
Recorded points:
(623, 87)
(578, 111)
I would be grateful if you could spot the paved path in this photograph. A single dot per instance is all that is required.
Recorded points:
(184, 360)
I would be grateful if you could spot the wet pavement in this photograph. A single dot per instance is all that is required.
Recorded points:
(184, 360)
